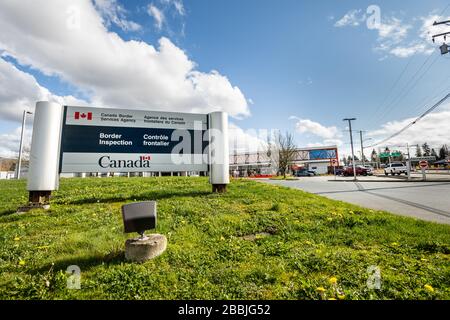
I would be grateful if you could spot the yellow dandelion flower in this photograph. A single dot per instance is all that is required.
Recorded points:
(21, 263)
(332, 280)
(321, 289)
(428, 288)
(332, 299)
(222, 238)
(394, 244)
(423, 259)
(341, 296)
(16, 239)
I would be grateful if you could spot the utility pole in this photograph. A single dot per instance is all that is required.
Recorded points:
(19, 162)
(362, 147)
(351, 143)
(409, 162)
(444, 47)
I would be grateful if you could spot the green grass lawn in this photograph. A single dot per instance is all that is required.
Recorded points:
(306, 246)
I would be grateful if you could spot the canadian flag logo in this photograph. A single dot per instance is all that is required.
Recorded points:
(83, 115)
(147, 157)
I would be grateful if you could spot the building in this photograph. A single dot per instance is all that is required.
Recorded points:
(318, 159)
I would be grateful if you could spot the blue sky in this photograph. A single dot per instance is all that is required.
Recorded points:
(301, 65)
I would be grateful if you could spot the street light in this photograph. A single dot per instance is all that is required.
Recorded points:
(351, 143)
(19, 161)
(362, 146)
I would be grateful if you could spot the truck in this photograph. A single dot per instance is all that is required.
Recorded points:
(395, 168)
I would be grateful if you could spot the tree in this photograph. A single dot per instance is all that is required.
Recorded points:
(385, 159)
(398, 158)
(374, 156)
(434, 154)
(426, 150)
(282, 151)
(418, 151)
(443, 152)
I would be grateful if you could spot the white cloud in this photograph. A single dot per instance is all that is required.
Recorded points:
(250, 140)
(112, 12)
(177, 5)
(315, 128)
(433, 129)
(157, 14)
(425, 33)
(392, 29)
(112, 72)
(19, 91)
(394, 36)
(405, 52)
(352, 18)
(10, 142)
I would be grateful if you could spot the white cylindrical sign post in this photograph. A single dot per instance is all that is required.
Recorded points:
(218, 151)
(43, 176)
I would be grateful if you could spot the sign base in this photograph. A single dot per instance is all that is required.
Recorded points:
(37, 200)
(143, 249)
(219, 188)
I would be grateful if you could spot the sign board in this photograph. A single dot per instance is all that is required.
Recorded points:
(68, 139)
(117, 140)
(334, 162)
(423, 164)
(427, 158)
(387, 154)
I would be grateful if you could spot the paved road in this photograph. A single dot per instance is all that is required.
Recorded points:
(423, 200)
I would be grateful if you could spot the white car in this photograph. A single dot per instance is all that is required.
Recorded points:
(369, 170)
(395, 168)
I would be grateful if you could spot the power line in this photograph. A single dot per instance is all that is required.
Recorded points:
(437, 93)
(412, 123)
(408, 87)
(392, 87)
(382, 105)
(445, 9)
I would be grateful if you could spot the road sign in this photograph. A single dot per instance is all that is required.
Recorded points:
(428, 158)
(334, 162)
(387, 154)
(423, 164)
(118, 140)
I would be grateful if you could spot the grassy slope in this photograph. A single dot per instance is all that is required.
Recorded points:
(313, 239)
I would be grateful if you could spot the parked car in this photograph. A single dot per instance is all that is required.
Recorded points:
(360, 171)
(313, 172)
(304, 173)
(395, 168)
(369, 170)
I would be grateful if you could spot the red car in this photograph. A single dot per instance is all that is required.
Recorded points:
(360, 171)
